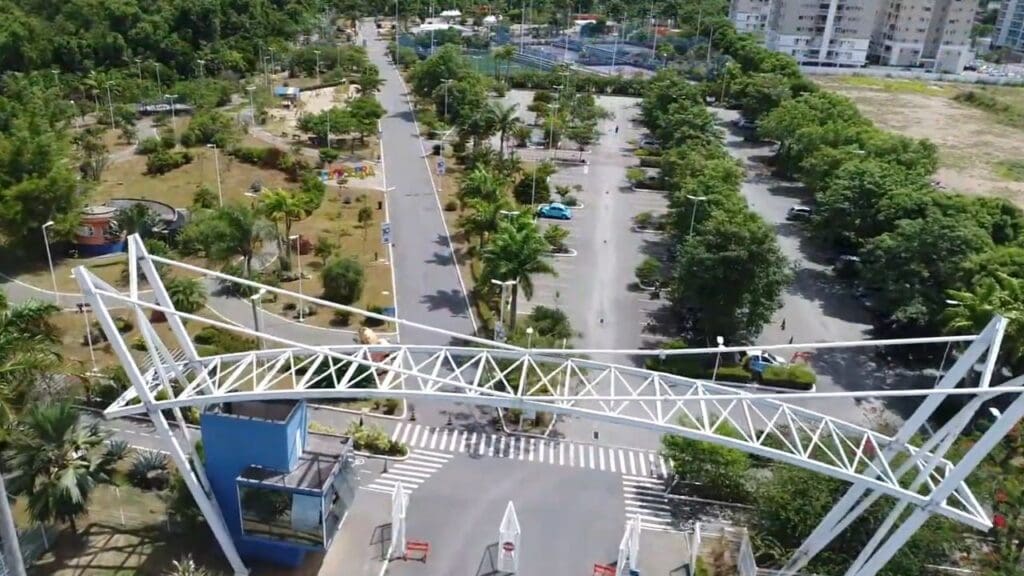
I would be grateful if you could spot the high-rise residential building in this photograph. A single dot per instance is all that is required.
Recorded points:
(749, 15)
(932, 34)
(1010, 26)
(825, 32)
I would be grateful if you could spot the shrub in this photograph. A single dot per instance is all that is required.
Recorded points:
(648, 272)
(374, 322)
(223, 342)
(643, 220)
(635, 175)
(555, 236)
(795, 376)
(329, 155)
(138, 343)
(570, 200)
(524, 190)
(325, 247)
(343, 280)
(151, 145)
(149, 471)
(164, 161)
(374, 440)
(387, 406)
(210, 127)
(123, 324)
(451, 206)
(731, 374)
(341, 318)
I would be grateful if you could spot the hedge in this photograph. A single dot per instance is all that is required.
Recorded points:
(794, 376)
(218, 341)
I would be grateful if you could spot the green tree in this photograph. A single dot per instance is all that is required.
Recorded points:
(583, 134)
(555, 236)
(971, 310)
(186, 566)
(234, 230)
(732, 270)
(283, 208)
(136, 219)
(517, 251)
(506, 120)
(204, 198)
(365, 217)
(721, 472)
(93, 153)
(187, 294)
(446, 63)
(60, 462)
(481, 184)
(482, 217)
(29, 351)
(365, 111)
(343, 280)
(759, 94)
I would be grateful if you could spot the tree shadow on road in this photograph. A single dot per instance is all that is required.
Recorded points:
(835, 299)
(452, 300)
(441, 259)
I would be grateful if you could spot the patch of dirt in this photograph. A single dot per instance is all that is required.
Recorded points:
(970, 142)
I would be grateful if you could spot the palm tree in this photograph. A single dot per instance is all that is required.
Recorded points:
(236, 230)
(136, 219)
(505, 121)
(29, 350)
(999, 294)
(285, 208)
(187, 294)
(482, 184)
(482, 217)
(516, 252)
(59, 462)
(478, 124)
(186, 567)
(521, 134)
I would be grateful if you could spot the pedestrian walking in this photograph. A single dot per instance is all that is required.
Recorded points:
(783, 323)
(616, 129)
(790, 339)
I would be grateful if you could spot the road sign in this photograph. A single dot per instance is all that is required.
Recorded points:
(441, 166)
(385, 233)
(508, 546)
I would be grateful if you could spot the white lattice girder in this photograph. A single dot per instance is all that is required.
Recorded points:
(510, 379)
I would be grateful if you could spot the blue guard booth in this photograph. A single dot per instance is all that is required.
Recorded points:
(282, 491)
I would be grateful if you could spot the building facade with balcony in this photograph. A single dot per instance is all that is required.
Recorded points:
(1010, 26)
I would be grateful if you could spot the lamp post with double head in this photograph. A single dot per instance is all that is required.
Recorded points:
(49, 259)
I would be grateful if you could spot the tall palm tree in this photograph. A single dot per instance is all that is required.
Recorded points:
(478, 124)
(283, 208)
(236, 230)
(999, 294)
(482, 184)
(60, 462)
(517, 252)
(482, 217)
(506, 53)
(29, 350)
(506, 119)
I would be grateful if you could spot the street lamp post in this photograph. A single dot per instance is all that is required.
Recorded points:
(156, 66)
(138, 63)
(298, 257)
(693, 214)
(256, 300)
(510, 213)
(49, 258)
(707, 61)
(317, 53)
(216, 161)
(252, 108)
(529, 337)
(174, 123)
(718, 357)
(501, 306)
(56, 78)
(83, 309)
(446, 82)
(201, 62)
(551, 131)
(78, 119)
(110, 104)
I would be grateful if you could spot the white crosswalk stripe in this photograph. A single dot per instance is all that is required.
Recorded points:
(645, 497)
(411, 472)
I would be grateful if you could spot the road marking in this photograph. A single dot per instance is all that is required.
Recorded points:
(622, 462)
(455, 439)
(415, 434)
(561, 454)
(501, 449)
(551, 453)
(532, 445)
(583, 458)
(465, 439)
(396, 478)
(433, 439)
(522, 448)
(664, 471)
(599, 452)
(611, 459)
(494, 440)
(643, 465)
(411, 471)
(444, 438)
(398, 429)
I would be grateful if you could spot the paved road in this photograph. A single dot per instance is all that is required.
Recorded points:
(428, 287)
(817, 307)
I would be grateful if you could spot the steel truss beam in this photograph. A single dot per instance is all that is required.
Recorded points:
(555, 381)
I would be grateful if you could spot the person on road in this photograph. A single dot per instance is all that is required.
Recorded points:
(783, 324)
(616, 129)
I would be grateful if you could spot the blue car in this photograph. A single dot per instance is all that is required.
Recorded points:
(555, 211)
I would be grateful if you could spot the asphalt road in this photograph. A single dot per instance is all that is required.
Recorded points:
(428, 287)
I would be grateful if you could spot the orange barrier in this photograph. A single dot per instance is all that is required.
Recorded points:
(417, 546)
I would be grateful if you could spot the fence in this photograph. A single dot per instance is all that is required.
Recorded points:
(730, 540)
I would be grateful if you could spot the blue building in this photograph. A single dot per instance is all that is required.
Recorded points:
(282, 491)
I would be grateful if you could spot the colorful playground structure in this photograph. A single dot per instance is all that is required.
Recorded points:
(341, 171)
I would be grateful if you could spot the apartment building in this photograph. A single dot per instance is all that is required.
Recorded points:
(824, 32)
(749, 15)
(1010, 26)
(931, 34)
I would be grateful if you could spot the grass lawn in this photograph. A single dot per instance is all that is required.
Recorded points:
(127, 179)
(1010, 169)
(338, 221)
(37, 273)
(896, 85)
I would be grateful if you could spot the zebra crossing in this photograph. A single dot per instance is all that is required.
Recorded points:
(645, 497)
(634, 462)
(411, 472)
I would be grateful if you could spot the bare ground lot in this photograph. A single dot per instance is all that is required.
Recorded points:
(974, 145)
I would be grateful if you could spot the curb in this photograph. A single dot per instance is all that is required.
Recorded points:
(397, 416)
(570, 254)
(408, 451)
(640, 230)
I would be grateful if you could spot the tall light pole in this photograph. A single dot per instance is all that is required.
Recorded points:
(501, 313)
(156, 66)
(201, 63)
(56, 78)
(693, 214)
(256, 300)
(446, 82)
(110, 104)
(522, 31)
(298, 257)
(49, 258)
(138, 63)
(252, 108)
(216, 161)
(551, 132)
(174, 124)
(78, 119)
(718, 357)
(317, 53)
(707, 61)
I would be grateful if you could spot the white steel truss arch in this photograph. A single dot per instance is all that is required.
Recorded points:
(920, 477)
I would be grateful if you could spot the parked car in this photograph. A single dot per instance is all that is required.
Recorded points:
(798, 213)
(650, 145)
(756, 361)
(555, 211)
(745, 123)
(847, 266)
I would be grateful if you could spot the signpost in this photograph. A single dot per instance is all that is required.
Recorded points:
(441, 166)
(385, 233)
(508, 535)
